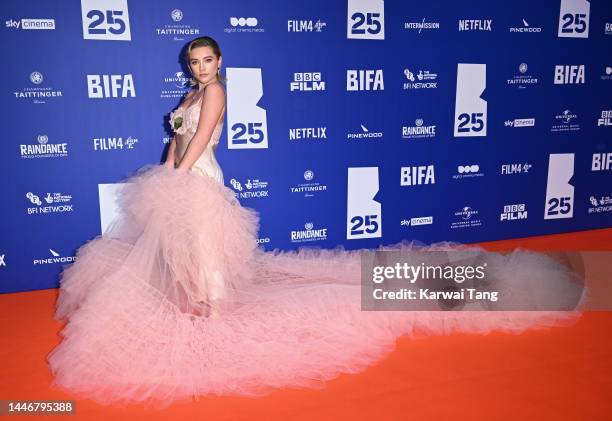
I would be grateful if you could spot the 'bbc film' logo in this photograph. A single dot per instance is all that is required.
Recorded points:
(605, 119)
(475, 25)
(311, 81)
(37, 91)
(565, 122)
(244, 25)
(419, 130)
(466, 217)
(364, 134)
(107, 20)
(251, 189)
(417, 175)
(421, 26)
(514, 212)
(30, 24)
(308, 133)
(523, 79)
(178, 30)
(110, 86)
(601, 161)
(113, 143)
(43, 149)
(309, 187)
(295, 25)
(418, 221)
(520, 122)
(526, 28)
(424, 79)
(600, 204)
(365, 80)
(49, 203)
(515, 168)
(572, 74)
(468, 171)
(309, 233)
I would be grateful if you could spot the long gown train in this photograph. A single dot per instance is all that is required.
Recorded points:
(175, 300)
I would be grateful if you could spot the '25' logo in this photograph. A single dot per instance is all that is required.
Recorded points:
(105, 20)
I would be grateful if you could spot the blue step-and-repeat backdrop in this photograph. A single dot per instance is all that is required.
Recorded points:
(349, 122)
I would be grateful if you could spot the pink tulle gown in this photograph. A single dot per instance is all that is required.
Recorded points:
(176, 300)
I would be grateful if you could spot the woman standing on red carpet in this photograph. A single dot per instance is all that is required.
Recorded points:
(176, 300)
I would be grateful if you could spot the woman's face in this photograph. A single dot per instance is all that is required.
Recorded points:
(203, 64)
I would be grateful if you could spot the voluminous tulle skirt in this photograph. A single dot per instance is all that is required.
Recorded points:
(176, 300)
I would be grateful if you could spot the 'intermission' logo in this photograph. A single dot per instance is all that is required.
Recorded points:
(421, 26)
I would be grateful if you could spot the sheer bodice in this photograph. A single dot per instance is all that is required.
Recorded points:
(207, 163)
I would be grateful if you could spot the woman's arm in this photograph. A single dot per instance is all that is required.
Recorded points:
(170, 159)
(210, 113)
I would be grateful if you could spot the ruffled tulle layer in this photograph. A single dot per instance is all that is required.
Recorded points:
(175, 300)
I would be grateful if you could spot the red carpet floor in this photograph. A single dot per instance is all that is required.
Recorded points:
(557, 374)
